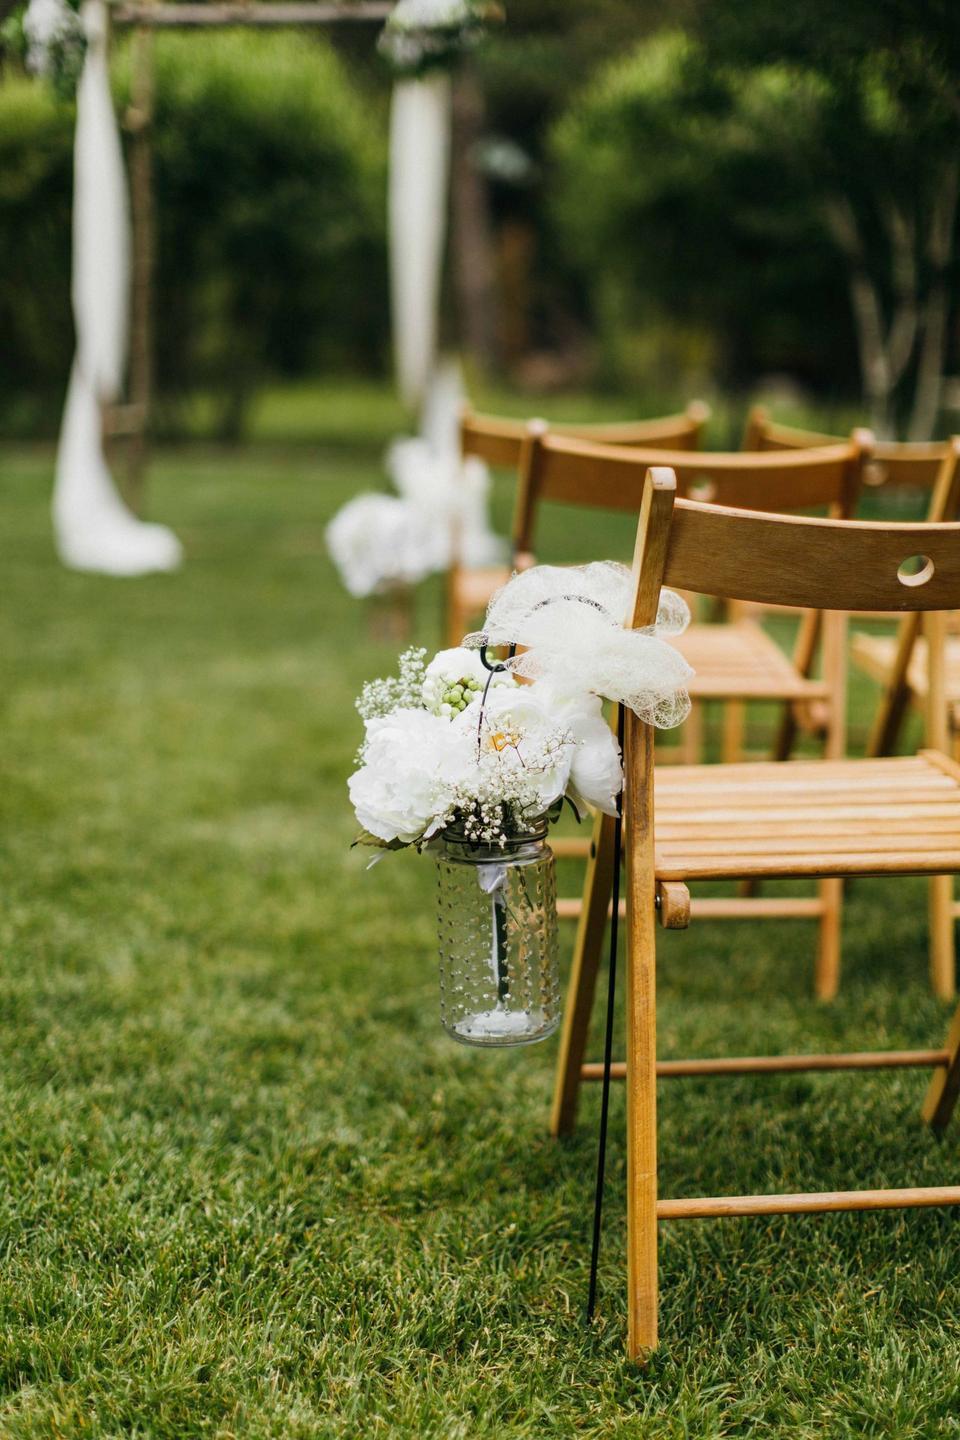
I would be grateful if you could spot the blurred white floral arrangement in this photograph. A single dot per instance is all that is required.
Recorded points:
(452, 743)
(49, 34)
(424, 35)
(439, 508)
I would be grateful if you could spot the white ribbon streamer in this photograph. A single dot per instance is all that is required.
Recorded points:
(417, 209)
(570, 621)
(94, 530)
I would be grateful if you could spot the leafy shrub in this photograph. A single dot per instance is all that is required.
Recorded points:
(695, 250)
(268, 173)
(36, 135)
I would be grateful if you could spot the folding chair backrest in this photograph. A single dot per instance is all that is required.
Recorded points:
(893, 465)
(802, 561)
(499, 440)
(573, 471)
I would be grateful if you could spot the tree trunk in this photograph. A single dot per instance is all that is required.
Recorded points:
(884, 350)
(929, 386)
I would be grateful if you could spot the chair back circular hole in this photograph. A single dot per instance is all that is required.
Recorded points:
(915, 570)
(874, 474)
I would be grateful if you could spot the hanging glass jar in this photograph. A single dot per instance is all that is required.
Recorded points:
(497, 930)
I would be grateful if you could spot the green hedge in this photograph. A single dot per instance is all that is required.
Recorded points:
(36, 135)
(269, 178)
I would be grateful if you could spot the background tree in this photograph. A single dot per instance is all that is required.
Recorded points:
(865, 107)
(696, 254)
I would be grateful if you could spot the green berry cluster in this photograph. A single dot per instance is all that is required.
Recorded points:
(459, 695)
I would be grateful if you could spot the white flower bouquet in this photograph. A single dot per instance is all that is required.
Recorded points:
(50, 36)
(474, 763)
(475, 760)
(453, 744)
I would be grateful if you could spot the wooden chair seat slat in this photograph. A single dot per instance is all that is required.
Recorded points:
(940, 823)
(875, 654)
(810, 831)
(742, 660)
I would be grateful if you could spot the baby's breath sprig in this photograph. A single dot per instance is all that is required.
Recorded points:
(396, 692)
(503, 797)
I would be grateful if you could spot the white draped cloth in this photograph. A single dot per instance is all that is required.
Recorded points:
(417, 211)
(94, 529)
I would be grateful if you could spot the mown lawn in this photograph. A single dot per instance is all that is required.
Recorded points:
(250, 1189)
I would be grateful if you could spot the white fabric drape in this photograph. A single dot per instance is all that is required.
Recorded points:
(453, 491)
(417, 213)
(94, 530)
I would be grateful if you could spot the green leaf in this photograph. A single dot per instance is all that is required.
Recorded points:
(366, 838)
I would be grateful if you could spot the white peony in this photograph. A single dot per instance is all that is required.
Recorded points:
(411, 762)
(521, 734)
(596, 774)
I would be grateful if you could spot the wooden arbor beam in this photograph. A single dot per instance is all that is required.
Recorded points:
(257, 14)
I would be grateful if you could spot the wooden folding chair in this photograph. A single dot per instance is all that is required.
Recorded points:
(498, 441)
(807, 817)
(894, 465)
(898, 662)
(736, 659)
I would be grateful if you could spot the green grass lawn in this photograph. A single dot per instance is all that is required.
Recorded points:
(248, 1186)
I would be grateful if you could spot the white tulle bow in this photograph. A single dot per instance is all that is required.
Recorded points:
(569, 619)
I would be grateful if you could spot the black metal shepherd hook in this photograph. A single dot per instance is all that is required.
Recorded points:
(607, 1045)
(496, 668)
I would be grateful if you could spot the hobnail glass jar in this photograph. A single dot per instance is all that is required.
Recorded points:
(497, 930)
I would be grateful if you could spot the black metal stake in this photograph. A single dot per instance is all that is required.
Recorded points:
(493, 668)
(607, 1046)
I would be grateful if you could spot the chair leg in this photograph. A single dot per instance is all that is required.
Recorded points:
(641, 1065)
(944, 1084)
(642, 1279)
(827, 969)
(942, 945)
(598, 887)
(889, 719)
(786, 733)
(734, 729)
